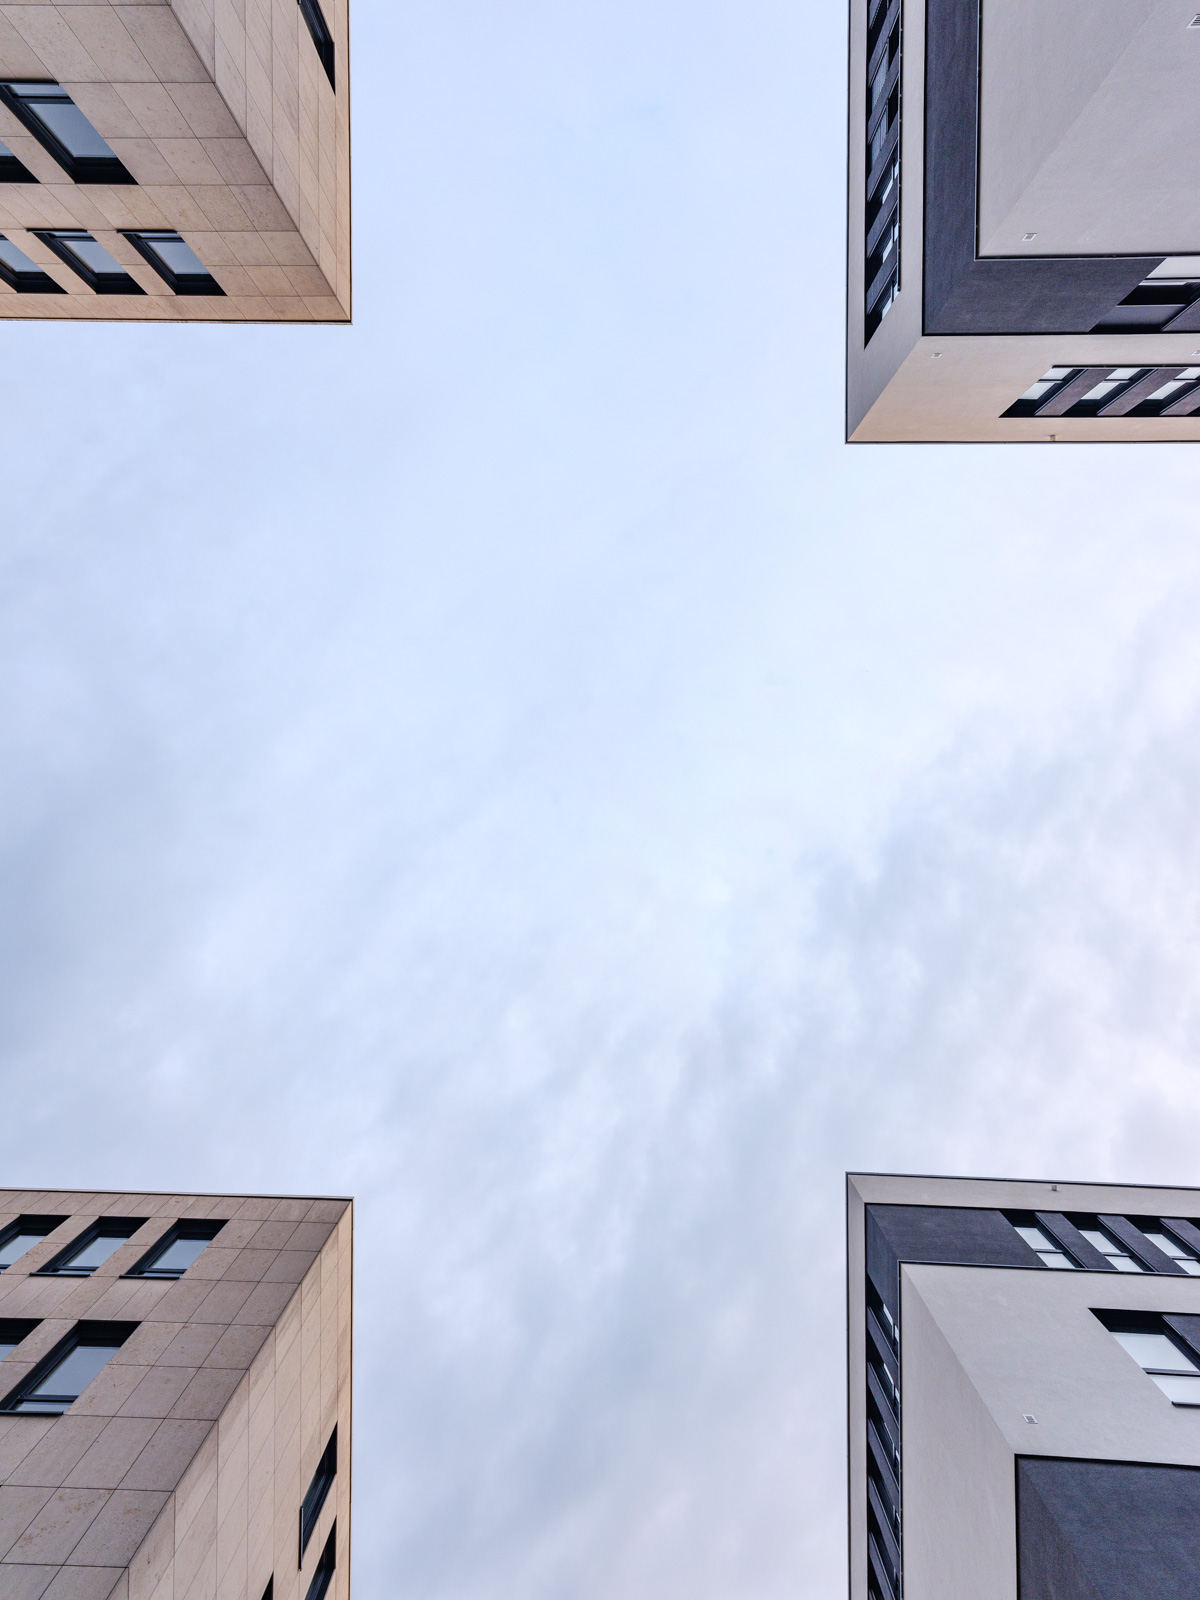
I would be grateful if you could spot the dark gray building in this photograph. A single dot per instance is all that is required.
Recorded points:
(1024, 1390)
(1024, 221)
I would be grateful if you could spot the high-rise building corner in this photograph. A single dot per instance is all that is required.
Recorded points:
(175, 1385)
(175, 160)
(1024, 1390)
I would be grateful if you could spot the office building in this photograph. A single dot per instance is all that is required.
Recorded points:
(1024, 1390)
(174, 1397)
(175, 160)
(1024, 221)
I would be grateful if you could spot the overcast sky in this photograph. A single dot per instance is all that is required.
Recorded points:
(509, 761)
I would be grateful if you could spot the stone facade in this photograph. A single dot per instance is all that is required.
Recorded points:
(224, 115)
(179, 1472)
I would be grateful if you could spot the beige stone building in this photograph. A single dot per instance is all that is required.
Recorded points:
(175, 160)
(174, 1397)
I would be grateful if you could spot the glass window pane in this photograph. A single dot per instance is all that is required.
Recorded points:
(1191, 1266)
(178, 258)
(1125, 1263)
(69, 125)
(7, 1346)
(1167, 1246)
(76, 1370)
(177, 1257)
(1035, 1238)
(93, 255)
(1182, 1391)
(95, 1253)
(1156, 1350)
(16, 1248)
(1099, 1241)
(1052, 1258)
(50, 91)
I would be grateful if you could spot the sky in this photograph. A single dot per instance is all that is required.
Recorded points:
(509, 761)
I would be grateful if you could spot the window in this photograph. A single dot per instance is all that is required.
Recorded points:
(176, 1250)
(12, 1331)
(92, 1248)
(1159, 1353)
(22, 274)
(310, 10)
(58, 124)
(22, 1235)
(269, 1591)
(89, 258)
(1151, 306)
(323, 1576)
(58, 1381)
(1184, 1259)
(12, 169)
(1115, 1254)
(1049, 1253)
(317, 1490)
(174, 260)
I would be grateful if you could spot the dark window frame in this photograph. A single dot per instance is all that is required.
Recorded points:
(142, 241)
(15, 1329)
(28, 1223)
(80, 169)
(323, 1574)
(59, 1266)
(318, 1491)
(59, 240)
(185, 1228)
(114, 1334)
(314, 17)
(14, 170)
(36, 282)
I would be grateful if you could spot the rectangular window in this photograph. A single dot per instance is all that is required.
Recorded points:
(317, 1490)
(1115, 1254)
(89, 258)
(1048, 1253)
(12, 1331)
(92, 1248)
(311, 11)
(176, 263)
(58, 1380)
(1159, 1353)
(1169, 1246)
(175, 1251)
(323, 1576)
(58, 124)
(22, 1235)
(22, 274)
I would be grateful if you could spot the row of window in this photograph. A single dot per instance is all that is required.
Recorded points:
(882, 218)
(61, 1376)
(1065, 1242)
(173, 259)
(47, 111)
(1111, 392)
(883, 1451)
(168, 1257)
